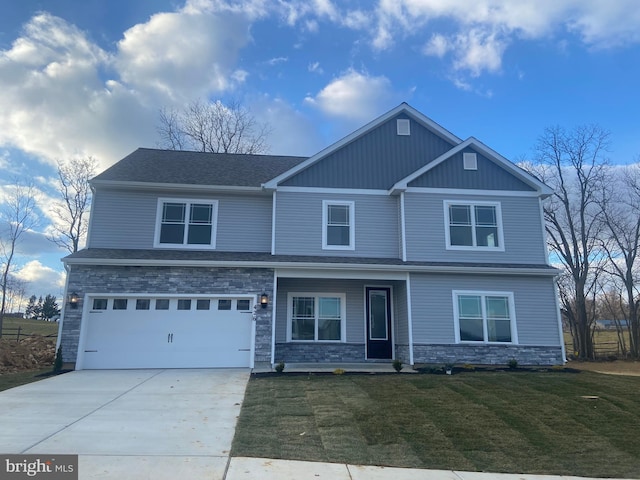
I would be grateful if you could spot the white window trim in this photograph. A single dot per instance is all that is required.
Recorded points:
(316, 295)
(187, 201)
(447, 231)
(352, 224)
(485, 293)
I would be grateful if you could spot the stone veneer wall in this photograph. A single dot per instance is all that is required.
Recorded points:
(319, 352)
(488, 354)
(168, 280)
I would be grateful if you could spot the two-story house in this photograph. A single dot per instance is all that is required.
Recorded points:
(400, 241)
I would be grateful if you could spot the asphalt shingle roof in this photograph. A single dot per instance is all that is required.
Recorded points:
(197, 168)
(132, 255)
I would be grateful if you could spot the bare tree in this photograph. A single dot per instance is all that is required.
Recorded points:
(620, 204)
(213, 127)
(572, 163)
(71, 212)
(17, 216)
(16, 290)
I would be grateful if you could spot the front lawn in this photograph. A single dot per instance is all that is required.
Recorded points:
(517, 422)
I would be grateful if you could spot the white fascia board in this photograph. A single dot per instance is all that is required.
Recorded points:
(541, 188)
(472, 193)
(318, 266)
(175, 186)
(402, 108)
(337, 191)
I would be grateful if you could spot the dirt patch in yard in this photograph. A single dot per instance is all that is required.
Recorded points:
(31, 353)
(618, 367)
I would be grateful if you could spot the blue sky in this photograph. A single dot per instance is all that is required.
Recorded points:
(88, 78)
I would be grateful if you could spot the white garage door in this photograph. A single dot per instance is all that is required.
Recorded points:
(164, 332)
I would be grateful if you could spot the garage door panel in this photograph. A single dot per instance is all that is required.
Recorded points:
(168, 338)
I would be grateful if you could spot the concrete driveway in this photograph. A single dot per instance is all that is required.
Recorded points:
(153, 424)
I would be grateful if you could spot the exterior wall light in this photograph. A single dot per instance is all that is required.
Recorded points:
(74, 298)
(264, 300)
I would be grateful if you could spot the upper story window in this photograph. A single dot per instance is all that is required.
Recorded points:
(473, 226)
(338, 232)
(186, 223)
(486, 317)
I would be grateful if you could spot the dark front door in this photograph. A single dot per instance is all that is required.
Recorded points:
(379, 342)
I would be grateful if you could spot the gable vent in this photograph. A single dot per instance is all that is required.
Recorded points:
(404, 127)
(470, 161)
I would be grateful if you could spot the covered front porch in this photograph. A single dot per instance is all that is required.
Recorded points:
(333, 318)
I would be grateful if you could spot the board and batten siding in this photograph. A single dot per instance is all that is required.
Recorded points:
(534, 298)
(299, 225)
(376, 160)
(425, 225)
(127, 219)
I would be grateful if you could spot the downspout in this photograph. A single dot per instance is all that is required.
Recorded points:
(403, 229)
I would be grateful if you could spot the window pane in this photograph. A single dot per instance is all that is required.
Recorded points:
(329, 307)
(224, 304)
(498, 307)
(162, 304)
(119, 303)
(487, 236)
(460, 236)
(173, 212)
(486, 215)
(338, 214)
(338, 235)
(378, 316)
(184, 304)
(328, 329)
(460, 215)
(303, 307)
(203, 304)
(471, 330)
(199, 235)
(302, 329)
(499, 330)
(172, 233)
(469, 306)
(99, 303)
(143, 304)
(201, 213)
(243, 305)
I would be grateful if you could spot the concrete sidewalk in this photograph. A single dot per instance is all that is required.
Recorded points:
(266, 469)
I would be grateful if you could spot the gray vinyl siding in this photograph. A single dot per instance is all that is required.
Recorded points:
(432, 306)
(353, 289)
(521, 221)
(376, 160)
(299, 225)
(488, 176)
(244, 222)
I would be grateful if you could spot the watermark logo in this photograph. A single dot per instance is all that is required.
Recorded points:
(50, 467)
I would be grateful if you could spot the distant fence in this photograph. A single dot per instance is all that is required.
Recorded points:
(602, 350)
(20, 333)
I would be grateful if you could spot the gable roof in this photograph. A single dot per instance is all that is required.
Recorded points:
(402, 108)
(175, 167)
(488, 152)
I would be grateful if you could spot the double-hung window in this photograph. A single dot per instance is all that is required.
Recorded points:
(476, 225)
(338, 231)
(486, 317)
(186, 223)
(316, 317)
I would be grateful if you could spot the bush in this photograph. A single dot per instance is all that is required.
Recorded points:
(513, 364)
(57, 365)
(397, 365)
(280, 367)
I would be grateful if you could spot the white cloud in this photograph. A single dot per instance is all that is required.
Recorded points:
(63, 96)
(315, 68)
(438, 46)
(41, 280)
(355, 96)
